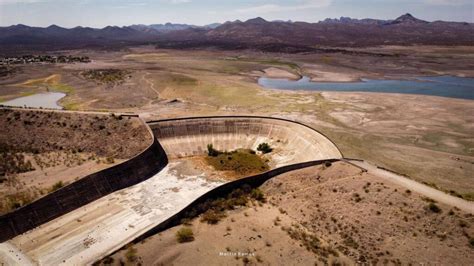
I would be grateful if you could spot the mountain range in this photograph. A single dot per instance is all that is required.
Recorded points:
(254, 33)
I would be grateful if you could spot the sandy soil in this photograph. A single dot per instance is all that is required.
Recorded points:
(274, 72)
(386, 224)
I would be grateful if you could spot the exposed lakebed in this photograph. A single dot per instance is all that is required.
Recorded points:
(445, 86)
(39, 100)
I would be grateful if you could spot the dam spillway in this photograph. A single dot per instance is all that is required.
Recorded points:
(292, 142)
(100, 227)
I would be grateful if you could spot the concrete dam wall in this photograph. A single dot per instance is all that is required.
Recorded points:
(292, 142)
(83, 191)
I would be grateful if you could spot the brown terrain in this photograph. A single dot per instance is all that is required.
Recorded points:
(326, 214)
(404, 132)
(42, 151)
(337, 215)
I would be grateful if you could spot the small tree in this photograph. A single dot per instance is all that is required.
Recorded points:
(211, 151)
(264, 148)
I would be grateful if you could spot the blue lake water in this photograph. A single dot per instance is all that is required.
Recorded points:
(445, 86)
(43, 100)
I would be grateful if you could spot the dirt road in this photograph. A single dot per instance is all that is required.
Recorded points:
(425, 190)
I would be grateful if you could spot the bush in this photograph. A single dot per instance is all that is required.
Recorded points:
(211, 151)
(434, 208)
(131, 254)
(212, 216)
(57, 186)
(264, 148)
(327, 163)
(257, 194)
(185, 234)
(110, 160)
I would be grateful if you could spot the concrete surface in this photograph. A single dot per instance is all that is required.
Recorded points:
(292, 142)
(99, 228)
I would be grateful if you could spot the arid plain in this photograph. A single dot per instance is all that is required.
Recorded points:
(427, 138)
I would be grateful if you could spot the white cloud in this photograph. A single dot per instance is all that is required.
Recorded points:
(179, 1)
(9, 2)
(448, 2)
(271, 8)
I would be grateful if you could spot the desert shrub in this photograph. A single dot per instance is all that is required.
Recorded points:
(211, 151)
(110, 160)
(106, 76)
(434, 208)
(264, 148)
(131, 254)
(56, 186)
(327, 164)
(257, 194)
(212, 216)
(357, 197)
(185, 234)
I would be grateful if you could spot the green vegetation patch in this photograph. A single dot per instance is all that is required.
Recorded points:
(241, 161)
(106, 76)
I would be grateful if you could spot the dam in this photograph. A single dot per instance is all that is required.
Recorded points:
(292, 142)
(100, 227)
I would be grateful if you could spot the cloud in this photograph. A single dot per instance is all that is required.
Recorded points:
(271, 8)
(179, 1)
(448, 2)
(11, 2)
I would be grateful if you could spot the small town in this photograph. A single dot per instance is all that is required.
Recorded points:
(52, 59)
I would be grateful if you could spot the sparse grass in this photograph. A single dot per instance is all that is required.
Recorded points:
(184, 234)
(310, 242)
(16, 200)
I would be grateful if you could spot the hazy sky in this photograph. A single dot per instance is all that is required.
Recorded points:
(100, 13)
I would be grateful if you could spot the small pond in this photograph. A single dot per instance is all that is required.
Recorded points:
(44, 100)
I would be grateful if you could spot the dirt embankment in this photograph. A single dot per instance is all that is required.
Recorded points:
(335, 214)
(41, 151)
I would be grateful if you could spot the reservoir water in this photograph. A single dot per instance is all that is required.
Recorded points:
(445, 86)
(44, 100)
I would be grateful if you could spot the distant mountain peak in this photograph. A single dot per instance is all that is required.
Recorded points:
(257, 20)
(54, 26)
(407, 19)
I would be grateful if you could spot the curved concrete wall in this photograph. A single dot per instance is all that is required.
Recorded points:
(292, 142)
(83, 191)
